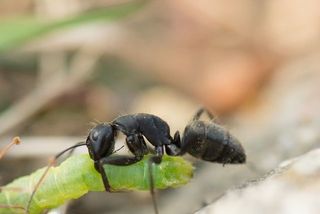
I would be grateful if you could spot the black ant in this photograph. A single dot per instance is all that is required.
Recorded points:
(204, 140)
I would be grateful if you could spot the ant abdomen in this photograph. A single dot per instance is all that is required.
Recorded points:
(211, 142)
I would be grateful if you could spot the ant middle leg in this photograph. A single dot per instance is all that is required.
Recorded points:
(155, 159)
(138, 147)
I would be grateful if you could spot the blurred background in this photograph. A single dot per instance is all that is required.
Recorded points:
(65, 64)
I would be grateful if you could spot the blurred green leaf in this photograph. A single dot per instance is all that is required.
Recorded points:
(18, 30)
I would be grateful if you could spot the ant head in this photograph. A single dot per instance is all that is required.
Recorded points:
(100, 141)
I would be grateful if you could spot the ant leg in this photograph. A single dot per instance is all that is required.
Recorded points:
(155, 159)
(200, 112)
(136, 145)
(151, 182)
(177, 139)
(120, 160)
(98, 165)
(174, 148)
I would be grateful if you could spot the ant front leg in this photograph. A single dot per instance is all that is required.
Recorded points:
(120, 160)
(136, 145)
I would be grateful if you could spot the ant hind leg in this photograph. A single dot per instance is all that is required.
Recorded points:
(198, 114)
(202, 110)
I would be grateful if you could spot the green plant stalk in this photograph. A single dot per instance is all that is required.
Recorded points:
(77, 175)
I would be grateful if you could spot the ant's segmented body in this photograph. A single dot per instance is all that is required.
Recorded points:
(204, 140)
(211, 142)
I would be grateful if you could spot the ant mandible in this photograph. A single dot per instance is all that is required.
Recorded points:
(204, 140)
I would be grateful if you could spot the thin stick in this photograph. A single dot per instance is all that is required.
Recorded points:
(15, 141)
(51, 163)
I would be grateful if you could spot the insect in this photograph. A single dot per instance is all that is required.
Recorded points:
(76, 176)
(204, 140)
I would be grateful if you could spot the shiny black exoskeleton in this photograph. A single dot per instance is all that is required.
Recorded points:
(204, 140)
(211, 142)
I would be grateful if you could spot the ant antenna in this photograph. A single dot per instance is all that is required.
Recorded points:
(72, 149)
(52, 162)
(151, 181)
(15, 141)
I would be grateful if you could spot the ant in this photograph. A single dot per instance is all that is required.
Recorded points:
(204, 140)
